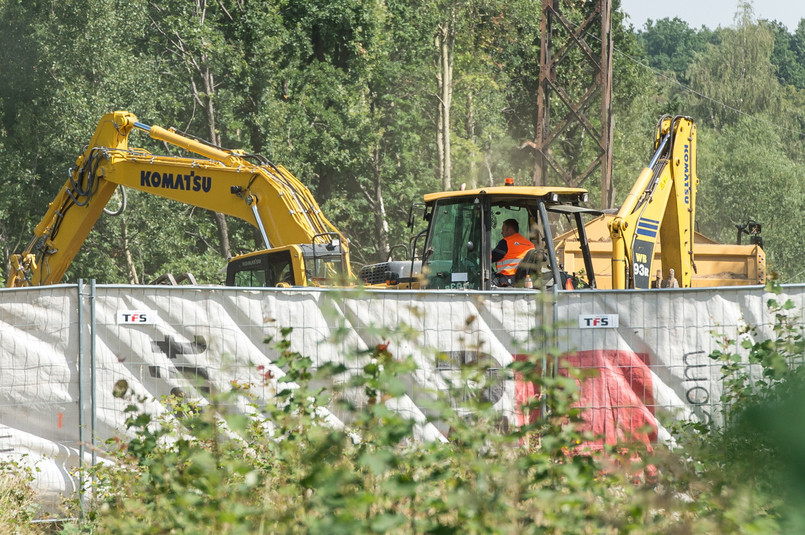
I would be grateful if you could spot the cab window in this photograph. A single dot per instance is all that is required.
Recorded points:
(455, 247)
(266, 269)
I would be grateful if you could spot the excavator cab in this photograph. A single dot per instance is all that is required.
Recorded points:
(266, 268)
(464, 227)
(292, 265)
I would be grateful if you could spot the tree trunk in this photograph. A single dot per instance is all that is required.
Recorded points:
(488, 165)
(130, 267)
(473, 157)
(381, 222)
(445, 41)
(440, 122)
(209, 111)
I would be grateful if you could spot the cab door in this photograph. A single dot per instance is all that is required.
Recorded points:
(454, 256)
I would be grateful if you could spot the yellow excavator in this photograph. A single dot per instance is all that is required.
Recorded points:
(302, 246)
(654, 228)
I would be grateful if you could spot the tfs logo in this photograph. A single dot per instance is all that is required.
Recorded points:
(598, 321)
(136, 317)
(141, 317)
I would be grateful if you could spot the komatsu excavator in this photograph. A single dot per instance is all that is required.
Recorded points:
(302, 246)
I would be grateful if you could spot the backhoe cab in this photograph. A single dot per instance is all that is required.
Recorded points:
(464, 227)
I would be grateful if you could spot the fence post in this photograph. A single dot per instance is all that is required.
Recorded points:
(92, 334)
(80, 322)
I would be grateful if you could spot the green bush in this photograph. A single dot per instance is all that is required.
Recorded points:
(18, 505)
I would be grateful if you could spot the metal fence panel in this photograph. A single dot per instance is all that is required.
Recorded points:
(650, 349)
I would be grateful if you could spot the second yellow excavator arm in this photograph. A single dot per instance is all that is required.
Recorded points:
(661, 205)
(229, 182)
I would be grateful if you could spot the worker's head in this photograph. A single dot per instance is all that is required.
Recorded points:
(510, 226)
(671, 272)
(659, 273)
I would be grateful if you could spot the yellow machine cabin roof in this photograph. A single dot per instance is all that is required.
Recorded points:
(516, 191)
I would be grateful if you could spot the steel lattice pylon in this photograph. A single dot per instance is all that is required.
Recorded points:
(573, 137)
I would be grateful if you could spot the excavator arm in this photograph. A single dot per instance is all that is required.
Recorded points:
(231, 182)
(661, 205)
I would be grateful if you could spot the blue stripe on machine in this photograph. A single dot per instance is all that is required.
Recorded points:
(648, 223)
(646, 232)
(647, 227)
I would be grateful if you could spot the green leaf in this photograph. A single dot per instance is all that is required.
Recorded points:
(387, 522)
(379, 462)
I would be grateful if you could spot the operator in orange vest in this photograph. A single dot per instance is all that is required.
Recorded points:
(509, 251)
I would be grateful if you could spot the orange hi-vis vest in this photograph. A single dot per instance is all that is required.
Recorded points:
(517, 246)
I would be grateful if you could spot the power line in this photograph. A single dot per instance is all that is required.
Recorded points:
(697, 93)
(709, 98)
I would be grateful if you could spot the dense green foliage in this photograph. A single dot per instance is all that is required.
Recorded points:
(347, 97)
